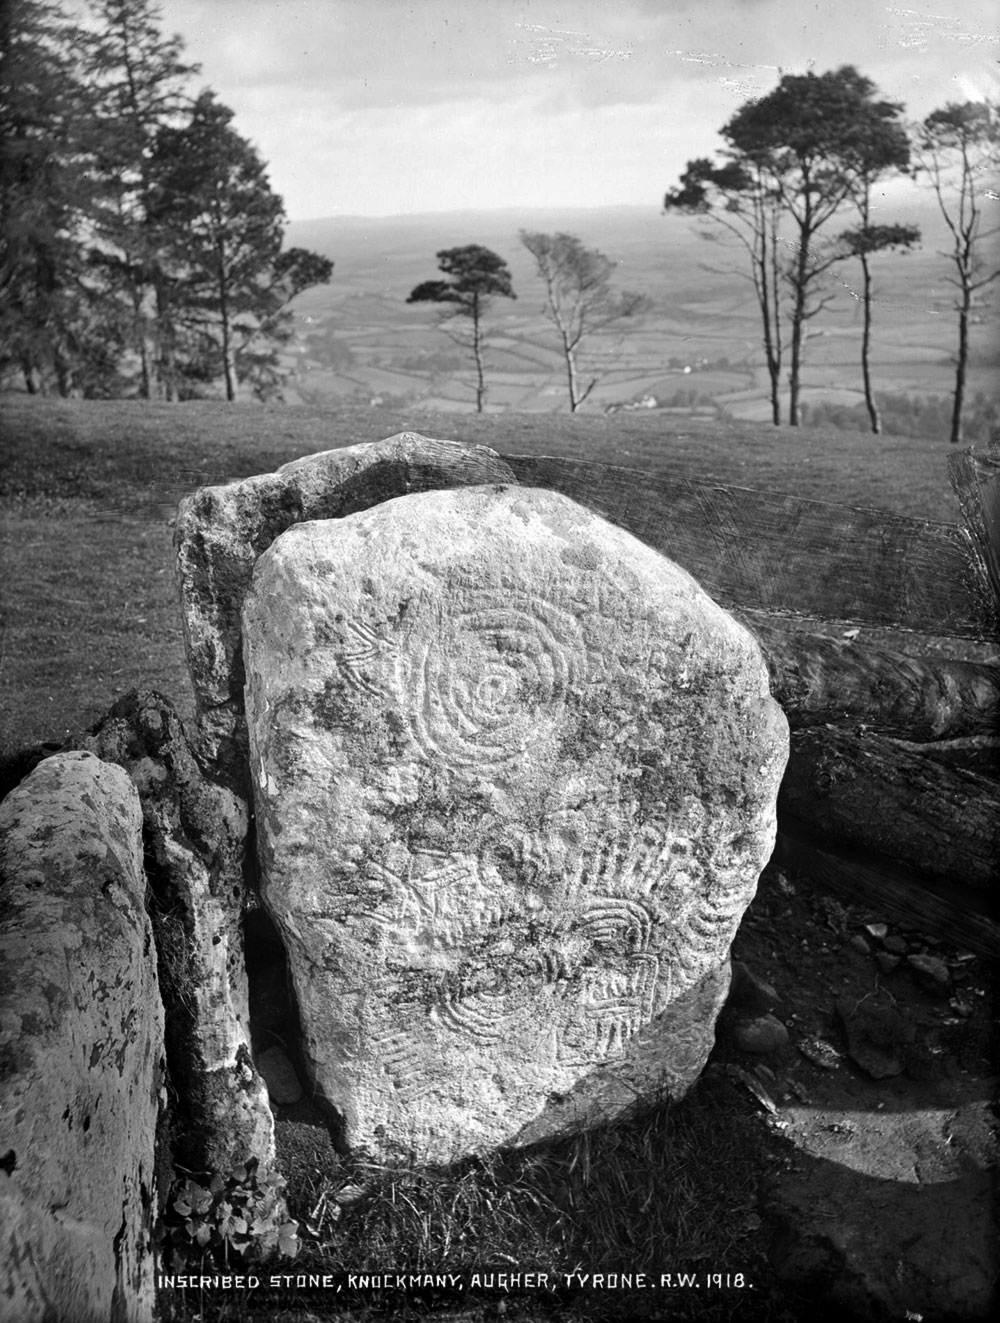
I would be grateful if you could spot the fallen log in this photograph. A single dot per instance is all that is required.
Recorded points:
(892, 892)
(973, 753)
(818, 680)
(867, 792)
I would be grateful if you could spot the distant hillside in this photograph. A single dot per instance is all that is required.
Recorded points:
(358, 339)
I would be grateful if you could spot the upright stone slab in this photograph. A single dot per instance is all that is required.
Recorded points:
(515, 780)
(195, 843)
(81, 1049)
(222, 530)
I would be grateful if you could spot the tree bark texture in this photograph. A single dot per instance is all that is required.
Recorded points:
(819, 680)
(891, 891)
(867, 792)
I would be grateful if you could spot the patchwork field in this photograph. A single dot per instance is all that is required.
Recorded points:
(359, 341)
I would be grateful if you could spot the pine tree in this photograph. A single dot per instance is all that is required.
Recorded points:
(140, 81)
(808, 139)
(224, 281)
(45, 191)
(476, 275)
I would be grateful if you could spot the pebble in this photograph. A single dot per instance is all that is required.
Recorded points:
(820, 1053)
(886, 962)
(931, 974)
(859, 944)
(283, 1087)
(748, 991)
(877, 930)
(897, 945)
(763, 1035)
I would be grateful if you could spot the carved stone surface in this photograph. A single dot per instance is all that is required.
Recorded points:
(81, 1047)
(222, 530)
(515, 778)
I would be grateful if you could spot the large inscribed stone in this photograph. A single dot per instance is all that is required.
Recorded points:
(515, 780)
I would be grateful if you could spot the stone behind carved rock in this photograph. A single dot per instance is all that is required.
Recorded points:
(222, 530)
(195, 840)
(81, 1042)
(515, 778)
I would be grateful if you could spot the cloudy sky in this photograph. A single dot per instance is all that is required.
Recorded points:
(381, 107)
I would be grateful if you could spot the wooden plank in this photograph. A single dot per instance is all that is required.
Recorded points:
(976, 480)
(777, 553)
(892, 892)
(868, 792)
(818, 679)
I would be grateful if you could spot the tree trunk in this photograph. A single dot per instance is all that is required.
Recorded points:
(818, 680)
(961, 362)
(866, 792)
(972, 753)
(798, 322)
(228, 366)
(30, 374)
(893, 892)
(866, 337)
(477, 349)
(574, 400)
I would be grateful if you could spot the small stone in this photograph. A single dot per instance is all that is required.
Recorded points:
(886, 962)
(878, 1038)
(877, 930)
(923, 1064)
(820, 1053)
(897, 945)
(931, 974)
(278, 1073)
(763, 1035)
(748, 991)
(859, 944)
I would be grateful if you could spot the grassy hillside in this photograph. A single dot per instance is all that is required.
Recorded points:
(88, 489)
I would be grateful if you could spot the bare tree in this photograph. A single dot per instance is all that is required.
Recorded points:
(578, 297)
(959, 149)
(737, 197)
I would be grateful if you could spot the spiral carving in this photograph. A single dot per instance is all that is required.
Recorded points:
(473, 692)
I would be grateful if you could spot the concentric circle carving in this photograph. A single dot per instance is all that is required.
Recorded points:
(475, 690)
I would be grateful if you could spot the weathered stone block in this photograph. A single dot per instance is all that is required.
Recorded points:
(515, 780)
(196, 839)
(222, 530)
(81, 1048)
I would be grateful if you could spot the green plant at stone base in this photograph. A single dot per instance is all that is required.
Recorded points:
(241, 1213)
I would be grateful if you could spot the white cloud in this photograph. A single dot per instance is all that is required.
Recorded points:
(379, 105)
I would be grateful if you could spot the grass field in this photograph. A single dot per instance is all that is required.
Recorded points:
(88, 490)
(357, 339)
